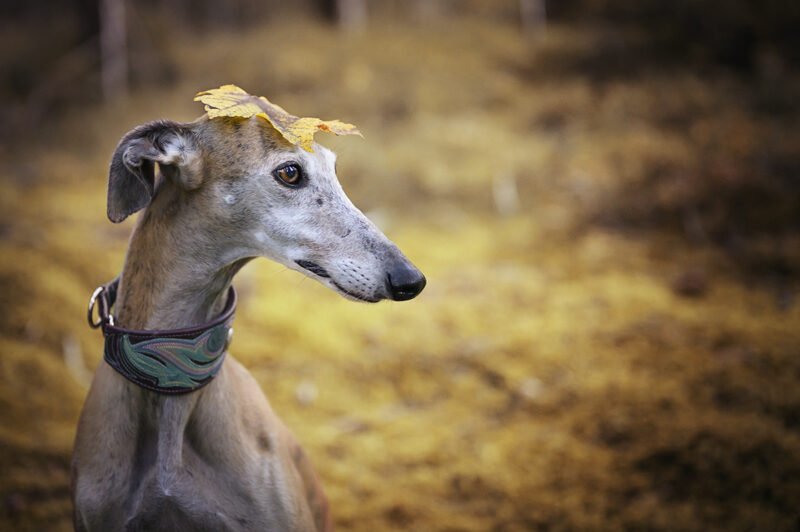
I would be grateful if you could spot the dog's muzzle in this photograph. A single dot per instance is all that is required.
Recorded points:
(403, 280)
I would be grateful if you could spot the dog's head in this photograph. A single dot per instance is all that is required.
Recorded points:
(238, 187)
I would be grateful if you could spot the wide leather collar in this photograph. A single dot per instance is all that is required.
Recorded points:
(170, 361)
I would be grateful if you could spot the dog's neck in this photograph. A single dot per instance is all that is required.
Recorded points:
(170, 280)
(173, 277)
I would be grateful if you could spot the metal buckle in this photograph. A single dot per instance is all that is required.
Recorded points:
(103, 313)
(92, 302)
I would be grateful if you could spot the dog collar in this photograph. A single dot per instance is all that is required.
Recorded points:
(165, 361)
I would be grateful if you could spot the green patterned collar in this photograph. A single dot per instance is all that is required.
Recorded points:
(165, 361)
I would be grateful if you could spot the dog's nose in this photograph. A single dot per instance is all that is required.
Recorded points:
(404, 281)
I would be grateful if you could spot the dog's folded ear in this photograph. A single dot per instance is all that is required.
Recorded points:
(131, 179)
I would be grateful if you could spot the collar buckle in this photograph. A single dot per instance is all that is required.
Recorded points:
(99, 299)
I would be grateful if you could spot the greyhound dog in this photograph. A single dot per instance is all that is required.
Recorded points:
(216, 193)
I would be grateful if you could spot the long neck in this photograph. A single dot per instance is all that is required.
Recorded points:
(173, 277)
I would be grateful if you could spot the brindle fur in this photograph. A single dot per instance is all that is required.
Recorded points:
(217, 459)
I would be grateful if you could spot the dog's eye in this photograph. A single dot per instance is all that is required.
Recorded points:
(289, 174)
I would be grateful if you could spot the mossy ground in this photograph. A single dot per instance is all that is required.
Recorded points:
(576, 363)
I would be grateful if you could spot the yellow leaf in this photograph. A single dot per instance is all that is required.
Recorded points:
(232, 101)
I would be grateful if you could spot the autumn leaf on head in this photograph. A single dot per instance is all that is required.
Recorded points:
(230, 100)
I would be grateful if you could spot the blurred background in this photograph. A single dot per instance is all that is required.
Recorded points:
(604, 196)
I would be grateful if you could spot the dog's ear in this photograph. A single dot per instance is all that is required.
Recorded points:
(131, 178)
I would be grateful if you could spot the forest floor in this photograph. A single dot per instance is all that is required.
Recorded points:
(610, 336)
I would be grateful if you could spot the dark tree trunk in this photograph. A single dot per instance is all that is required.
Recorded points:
(113, 49)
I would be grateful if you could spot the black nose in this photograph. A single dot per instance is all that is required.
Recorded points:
(404, 281)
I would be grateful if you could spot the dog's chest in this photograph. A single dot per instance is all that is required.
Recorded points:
(199, 496)
(196, 496)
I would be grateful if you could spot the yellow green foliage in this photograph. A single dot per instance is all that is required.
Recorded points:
(231, 101)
